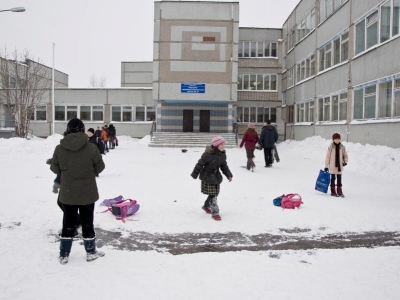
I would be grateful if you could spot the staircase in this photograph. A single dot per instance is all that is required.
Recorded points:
(189, 139)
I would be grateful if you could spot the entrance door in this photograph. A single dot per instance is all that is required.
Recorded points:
(188, 120)
(204, 121)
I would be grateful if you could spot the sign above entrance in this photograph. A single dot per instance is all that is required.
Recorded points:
(193, 88)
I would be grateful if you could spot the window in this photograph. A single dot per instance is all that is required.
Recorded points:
(327, 109)
(396, 17)
(372, 29)
(322, 59)
(344, 47)
(97, 113)
(385, 21)
(365, 102)
(290, 77)
(246, 48)
(385, 100)
(72, 112)
(127, 114)
(12, 82)
(240, 53)
(257, 82)
(140, 113)
(320, 109)
(116, 113)
(343, 106)
(85, 114)
(59, 113)
(336, 51)
(328, 56)
(397, 98)
(150, 113)
(360, 37)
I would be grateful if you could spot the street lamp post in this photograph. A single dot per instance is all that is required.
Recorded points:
(14, 9)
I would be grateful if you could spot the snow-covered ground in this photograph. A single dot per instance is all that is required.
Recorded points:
(159, 179)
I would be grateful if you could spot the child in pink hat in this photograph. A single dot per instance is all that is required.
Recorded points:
(209, 165)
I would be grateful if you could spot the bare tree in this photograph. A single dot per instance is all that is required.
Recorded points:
(23, 84)
(97, 82)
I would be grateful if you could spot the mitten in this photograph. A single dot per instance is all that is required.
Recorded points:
(326, 169)
(48, 162)
(344, 164)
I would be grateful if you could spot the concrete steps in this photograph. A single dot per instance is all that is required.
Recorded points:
(189, 139)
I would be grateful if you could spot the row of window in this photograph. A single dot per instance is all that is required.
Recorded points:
(13, 82)
(306, 26)
(257, 82)
(376, 100)
(332, 53)
(379, 26)
(95, 113)
(256, 114)
(257, 49)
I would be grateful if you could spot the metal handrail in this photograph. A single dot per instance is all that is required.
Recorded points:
(153, 129)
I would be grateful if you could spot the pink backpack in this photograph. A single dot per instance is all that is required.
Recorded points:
(291, 201)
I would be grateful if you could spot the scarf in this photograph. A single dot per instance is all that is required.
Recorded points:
(337, 157)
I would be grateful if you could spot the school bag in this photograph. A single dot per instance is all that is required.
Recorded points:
(278, 200)
(323, 181)
(121, 208)
(291, 201)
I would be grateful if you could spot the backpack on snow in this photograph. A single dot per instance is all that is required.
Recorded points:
(120, 207)
(291, 201)
(278, 200)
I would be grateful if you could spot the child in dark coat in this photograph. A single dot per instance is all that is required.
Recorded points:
(208, 166)
(250, 140)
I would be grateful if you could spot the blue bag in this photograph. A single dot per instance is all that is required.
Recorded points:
(323, 181)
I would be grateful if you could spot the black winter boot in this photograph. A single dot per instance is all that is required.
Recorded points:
(333, 191)
(65, 249)
(91, 251)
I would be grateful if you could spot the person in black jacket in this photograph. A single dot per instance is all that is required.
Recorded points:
(95, 140)
(268, 138)
(208, 166)
(112, 133)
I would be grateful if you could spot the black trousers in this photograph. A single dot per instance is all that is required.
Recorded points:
(333, 179)
(86, 213)
(268, 156)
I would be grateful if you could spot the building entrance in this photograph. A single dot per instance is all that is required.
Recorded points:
(188, 120)
(204, 121)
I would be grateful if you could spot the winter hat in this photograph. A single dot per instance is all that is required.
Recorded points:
(336, 136)
(251, 125)
(91, 130)
(218, 140)
(75, 125)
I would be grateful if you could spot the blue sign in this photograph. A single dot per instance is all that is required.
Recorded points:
(193, 88)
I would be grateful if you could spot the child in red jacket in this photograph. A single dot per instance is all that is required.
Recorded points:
(250, 140)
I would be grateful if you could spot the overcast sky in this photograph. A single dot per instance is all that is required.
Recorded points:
(95, 36)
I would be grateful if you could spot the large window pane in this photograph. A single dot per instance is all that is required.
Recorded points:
(385, 100)
(370, 106)
(273, 114)
(320, 109)
(252, 114)
(127, 114)
(139, 113)
(246, 82)
(345, 47)
(266, 82)
(239, 114)
(85, 113)
(266, 114)
(240, 82)
(372, 30)
(150, 113)
(385, 21)
(343, 107)
(358, 104)
(396, 17)
(328, 56)
(97, 113)
(397, 103)
(273, 82)
(260, 114)
(116, 113)
(259, 83)
(72, 112)
(360, 37)
(321, 59)
(240, 53)
(311, 114)
(253, 82)
(246, 116)
(246, 48)
(260, 49)
(253, 49)
(336, 4)
(336, 51)
(41, 113)
(322, 11)
(273, 49)
(267, 49)
(312, 65)
(329, 7)
(60, 113)
(335, 108)
(327, 109)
